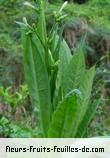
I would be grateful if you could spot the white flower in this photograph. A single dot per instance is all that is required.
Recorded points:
(25, 20)
(29, 4)
(63, 6)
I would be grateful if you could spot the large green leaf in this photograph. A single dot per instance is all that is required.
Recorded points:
(74, 72)
(64, 59)
(77, 77)
(87, 118)
(64, 121)
(71, 112)
(86, 83)
(37, 79)
(85, 88)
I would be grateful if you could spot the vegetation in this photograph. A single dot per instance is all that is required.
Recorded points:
(62, 91)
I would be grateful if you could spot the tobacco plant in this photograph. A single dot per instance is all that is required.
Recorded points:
(59, 83)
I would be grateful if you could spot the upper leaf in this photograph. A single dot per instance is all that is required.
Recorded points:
(64, 59)
(74, 72)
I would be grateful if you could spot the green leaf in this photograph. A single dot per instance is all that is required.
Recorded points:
(74, 72)
(64, 120)
(77, 77)
(86, 88)
(53, 37)
(41, 28)
(37, 80)
(64, 59)
(87, 118)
